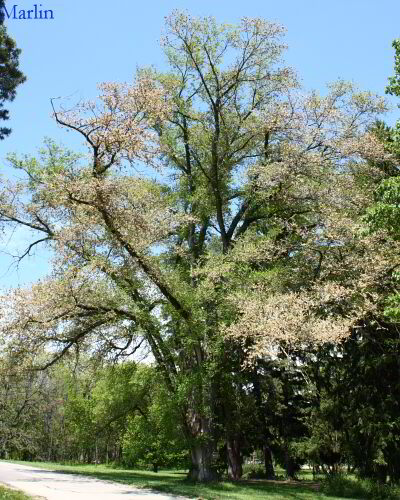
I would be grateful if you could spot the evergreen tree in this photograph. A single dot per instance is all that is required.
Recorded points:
(10, 74)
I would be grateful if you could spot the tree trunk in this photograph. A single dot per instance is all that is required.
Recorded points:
(290, 466)
(202, 468)
(268, 460)
(198, 428)
(234, 456)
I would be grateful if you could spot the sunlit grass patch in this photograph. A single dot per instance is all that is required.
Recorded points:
(8, 494)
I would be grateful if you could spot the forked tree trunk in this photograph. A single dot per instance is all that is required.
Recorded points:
(198, 427)
(198, 430)
(234, 456)
(202, 469)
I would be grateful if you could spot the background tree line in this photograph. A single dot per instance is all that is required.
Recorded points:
(336, 410)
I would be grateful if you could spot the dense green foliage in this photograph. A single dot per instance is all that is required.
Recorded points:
(115, 413)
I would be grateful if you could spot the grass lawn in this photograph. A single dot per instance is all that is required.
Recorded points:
(174, 482)
(7, 494)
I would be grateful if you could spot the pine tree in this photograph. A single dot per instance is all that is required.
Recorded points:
(10, 74)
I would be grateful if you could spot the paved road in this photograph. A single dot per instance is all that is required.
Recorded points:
(54, 485)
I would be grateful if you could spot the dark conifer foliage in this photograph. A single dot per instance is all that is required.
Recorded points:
(10, 74)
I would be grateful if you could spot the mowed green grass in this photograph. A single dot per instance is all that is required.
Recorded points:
(174, 482)
(7, 494)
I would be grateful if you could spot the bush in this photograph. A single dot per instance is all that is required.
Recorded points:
(341, 486)
(253, 471)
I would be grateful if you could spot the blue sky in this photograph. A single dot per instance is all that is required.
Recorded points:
(91, 41)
